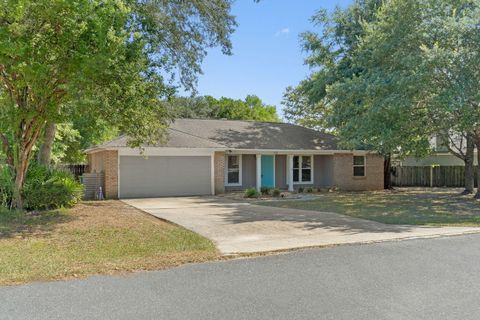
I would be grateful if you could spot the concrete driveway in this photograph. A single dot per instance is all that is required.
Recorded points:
(238, 227)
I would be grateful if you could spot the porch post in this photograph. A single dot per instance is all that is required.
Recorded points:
(259, 171)
(290, 172)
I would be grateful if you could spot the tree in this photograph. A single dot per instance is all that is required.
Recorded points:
(207, 107)
(451, 49)
(82, 133)
(298, 110)
(417, 71)
(398, 82)
(338, 94)
(107, 59)
(190, 107)
(462, 145)
(45, 152)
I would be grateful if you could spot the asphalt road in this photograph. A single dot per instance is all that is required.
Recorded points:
(414, 279)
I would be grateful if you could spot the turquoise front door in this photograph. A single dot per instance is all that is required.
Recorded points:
(267, 171)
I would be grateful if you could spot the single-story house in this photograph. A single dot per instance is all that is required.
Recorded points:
(203, 157)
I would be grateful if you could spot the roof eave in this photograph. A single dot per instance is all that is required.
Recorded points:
(298, 151)
(99, 149)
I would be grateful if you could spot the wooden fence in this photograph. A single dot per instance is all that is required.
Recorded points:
(76, 169)
(439, 176)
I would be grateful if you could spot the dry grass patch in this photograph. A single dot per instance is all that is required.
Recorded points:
(438, 207)
(93, 238)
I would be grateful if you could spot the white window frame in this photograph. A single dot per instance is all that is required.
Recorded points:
(239, 170)
(357, 166)
(300, 169)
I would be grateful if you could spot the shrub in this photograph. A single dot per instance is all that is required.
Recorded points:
(310, 190)
(250, 193)
(276, 192)
(6, 187)
(300, 190)
(50, 189)
(265, 190)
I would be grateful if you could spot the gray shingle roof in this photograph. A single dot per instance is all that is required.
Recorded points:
(197, 133)
(175, 139)
(257, 135)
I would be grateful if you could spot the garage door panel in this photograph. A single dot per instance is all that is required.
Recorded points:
(160, 176)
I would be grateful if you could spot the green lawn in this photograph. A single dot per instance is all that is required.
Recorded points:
(92, 238)
(438, 207)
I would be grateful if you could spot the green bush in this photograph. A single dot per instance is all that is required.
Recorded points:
(310, 190)
(265, 190)
(6, 186)
(250, 193)
(300, 190)
(276, 192)
(50, 189)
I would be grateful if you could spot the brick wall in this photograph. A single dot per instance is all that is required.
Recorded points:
(343, 173)
(219, 172)
(96, 162)
(111, 174)
(106, 162)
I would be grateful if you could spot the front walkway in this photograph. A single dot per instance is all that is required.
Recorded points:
(238, 227)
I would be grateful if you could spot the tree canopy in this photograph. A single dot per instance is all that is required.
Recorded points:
(207, 107)
(108, 59)
(388, 74)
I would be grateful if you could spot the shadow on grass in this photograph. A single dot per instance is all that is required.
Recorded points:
(17, 223)
(409, 208)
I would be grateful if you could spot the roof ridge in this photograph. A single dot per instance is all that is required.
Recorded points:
(234, 120)
(206, 139)
(258, 121)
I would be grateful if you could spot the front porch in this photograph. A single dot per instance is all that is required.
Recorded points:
(277, 170)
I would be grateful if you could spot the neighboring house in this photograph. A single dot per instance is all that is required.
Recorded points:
(204, 157)
(440, 157)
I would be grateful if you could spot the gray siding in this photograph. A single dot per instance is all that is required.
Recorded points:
(158, 176)
(281, 171)
(249, 170)
(249, 173)
(323, 171)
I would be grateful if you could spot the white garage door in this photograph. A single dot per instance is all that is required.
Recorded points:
(160, 176)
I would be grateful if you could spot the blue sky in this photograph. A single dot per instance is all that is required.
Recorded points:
(266, 50)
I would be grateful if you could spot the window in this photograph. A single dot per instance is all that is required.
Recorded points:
(233, 168)
(359, 166)
(302, 169)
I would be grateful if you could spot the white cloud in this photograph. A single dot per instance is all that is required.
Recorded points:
(282, 32)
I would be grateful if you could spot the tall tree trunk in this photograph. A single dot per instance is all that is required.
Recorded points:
(387, 173)
(45, 152)
(469, 166)
(26, 137)
(20, 173)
